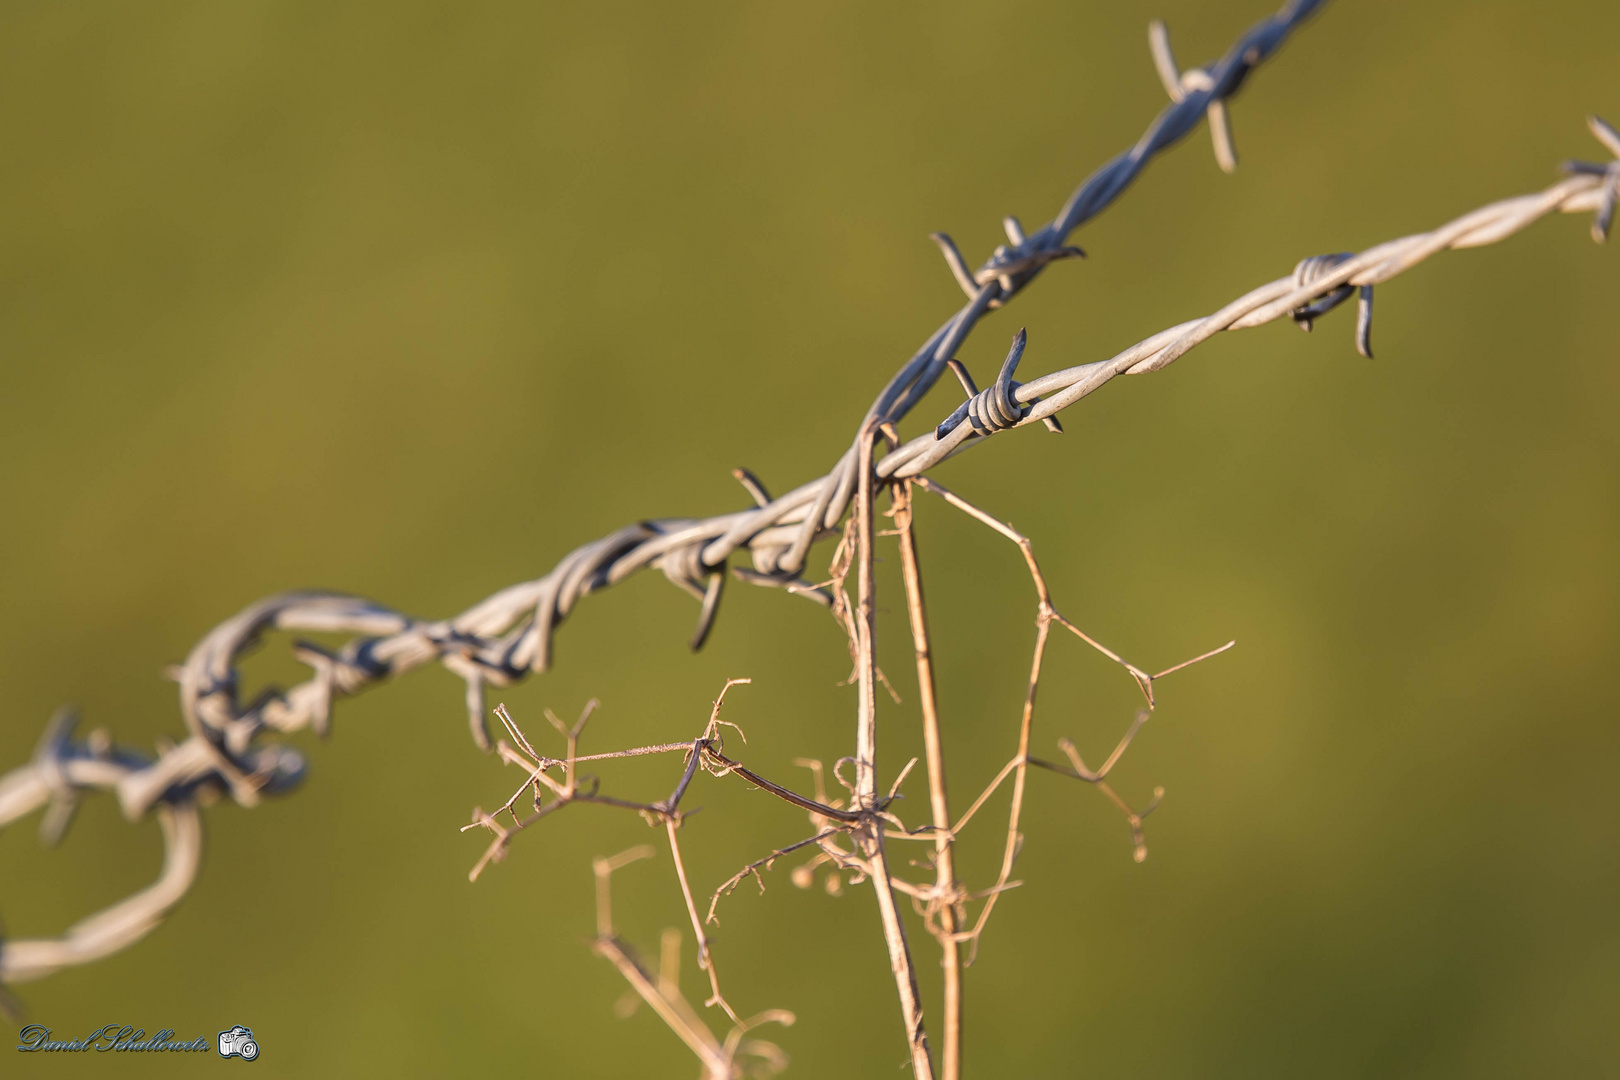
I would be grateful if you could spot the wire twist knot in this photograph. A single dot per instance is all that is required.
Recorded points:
(1314, 269)
(1011, 265)
(994, 408)
(684, 566)
(1610, 191)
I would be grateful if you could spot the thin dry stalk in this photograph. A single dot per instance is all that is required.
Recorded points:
(870, 839)
(663, 994)
(1045, 616)
(705, 960)
(945, 908)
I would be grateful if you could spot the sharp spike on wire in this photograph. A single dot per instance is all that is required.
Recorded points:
(1609, 193)
(1605, 132)
(1164, 60)
(954, 260)
(711, 607)
(1605, 214)
(1220, 133)
(1014, 354)
(1364, 322)
(1177, 83)
(752, 485)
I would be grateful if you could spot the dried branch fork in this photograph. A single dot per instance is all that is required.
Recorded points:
(722, 1059)
(509, 635)
(706, 752)
(1045, 616)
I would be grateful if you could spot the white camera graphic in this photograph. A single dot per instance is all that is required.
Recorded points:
(238, 1042)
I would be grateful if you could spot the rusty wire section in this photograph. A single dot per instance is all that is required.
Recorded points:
(509, 635)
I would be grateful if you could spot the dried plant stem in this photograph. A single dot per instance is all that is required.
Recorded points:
(705, 959)
(864, 625)
(1044, 616)
(894, 936)
(938, 801)
(698, 1038)
(1009, 855)
(870, 838)
(663, 995)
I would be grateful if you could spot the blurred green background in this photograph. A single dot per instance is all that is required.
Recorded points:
(411, 300)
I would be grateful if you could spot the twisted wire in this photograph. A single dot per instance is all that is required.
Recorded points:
(994, 409)
(508, 635)
(1316, 285)
(1317, 266)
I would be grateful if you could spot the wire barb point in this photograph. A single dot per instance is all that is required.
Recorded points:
(1178, 84)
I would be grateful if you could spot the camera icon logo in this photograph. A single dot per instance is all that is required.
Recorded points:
(238, 1042)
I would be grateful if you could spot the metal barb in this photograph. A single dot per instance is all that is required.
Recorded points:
(1317, 267)
(1178, 83)
(993, 409)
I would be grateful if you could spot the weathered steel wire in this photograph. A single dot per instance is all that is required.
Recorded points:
(60, 771)
(1316, 286)
(508, 635)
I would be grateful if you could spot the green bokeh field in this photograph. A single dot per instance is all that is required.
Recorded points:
(409, 301)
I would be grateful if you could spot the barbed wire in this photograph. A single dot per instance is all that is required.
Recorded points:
(509, 635)
(1316, 286)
